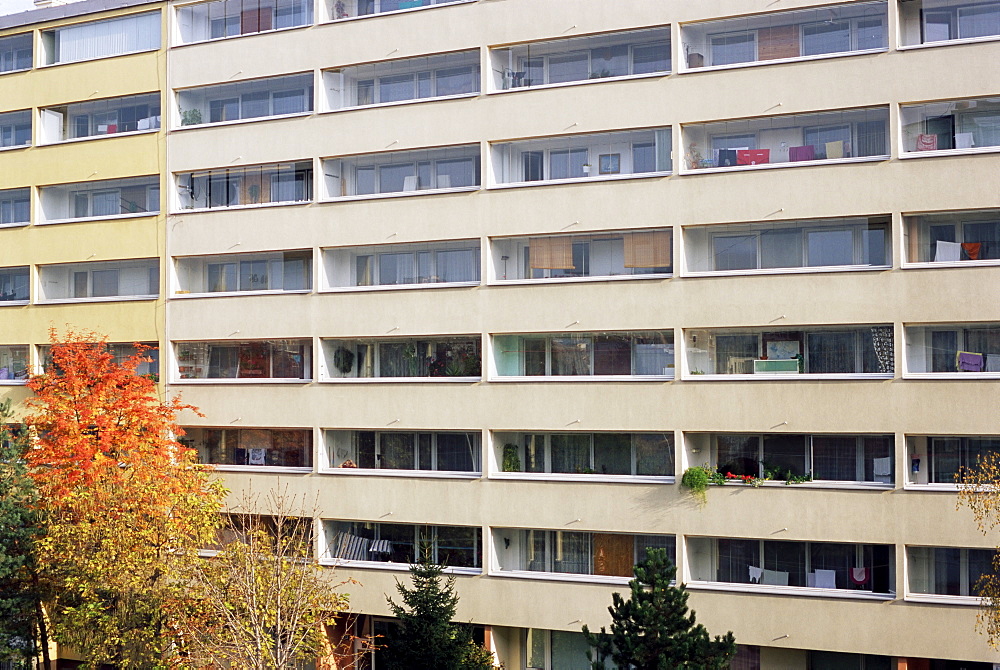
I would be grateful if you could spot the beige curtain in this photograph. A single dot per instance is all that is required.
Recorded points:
(551, 253)
(647, 249)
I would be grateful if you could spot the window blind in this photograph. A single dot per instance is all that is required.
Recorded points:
(647, 249)
(551, 253)
(100, 39)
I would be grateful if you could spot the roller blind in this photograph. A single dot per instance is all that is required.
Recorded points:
(647, 249)
(100, 39)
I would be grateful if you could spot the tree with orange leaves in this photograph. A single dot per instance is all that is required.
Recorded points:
(126, 505)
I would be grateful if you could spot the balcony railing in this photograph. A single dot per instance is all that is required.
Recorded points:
(642, 455)
(350, 542)
(243, 100)
(951, 125)
(639, 354)
(934, 21)
(403, 265)
(403, 172)
(110, 116)
(279, 271)
(274, 183)
(445, 357)
(113, 280)
(139, 196)
(353, 451)
(260, 360)
(259, 447)
(961, 349)
(953, 237)
(232, 18)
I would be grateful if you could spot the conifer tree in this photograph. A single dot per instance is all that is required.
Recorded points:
(652, 630)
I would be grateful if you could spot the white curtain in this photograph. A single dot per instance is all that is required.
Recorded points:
(100, 39)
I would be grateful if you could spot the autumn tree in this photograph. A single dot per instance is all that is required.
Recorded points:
(652, 630)
(126, 505)
(979, 490)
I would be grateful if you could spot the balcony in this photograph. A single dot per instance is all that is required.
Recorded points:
(814, 138)
(403, 172)
(255, 448)
(619, 55)
(933, 22)
(936, 460)
(640, 356)
(99, 118)
(120, 352)
(442, 358)
(348, 9)
(15, 207)
(15, 53)
(251, 186)
(407, 453)
(403, 80)
(806, 568)
(396, 266)
(15, 286)
(625, 254)
(816, 460)
(953, 351)
(101, 39)
(560, 555)
(609, 457)
(577, 158)
(806, 34)
(15, 129)
(232, 18)
(947, 574)
(835, 352)
(240, 274)
(14, 364)
(951, 127)
(260, 361)
(108, 199)
(137, 279)
(862, 243)
(245, 100)
(955, 238)
(398, 545)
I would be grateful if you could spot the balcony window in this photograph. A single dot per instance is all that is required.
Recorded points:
(617, 253)
(403, 450)
(102, 39)
(850, 568)
(100, 199)
(14, 285)
(252, 446)
(953, 348)
(403, 544)
(402, 80)
(939, 459)
(792, 139)
(576, 59)
(398, 265)
(15, 53)
(766, 354)
(554, 649)
(790, 457)
(236, 273)
(246, 186)
(120, 352)
(789, 35)
(445, 357)
(403, 172)
(582, 554)
(602, 454)
(255, 99)
(100, 117)
(932, 21)
(960, 125)
(112, 280)
(260, 360)
(948, 571)
(953, 237)
(820, 245)
(13, 363)
(15, 129)
(15, 207)
(581, 157)
(576, 355)
(347, 9)
(231, 18)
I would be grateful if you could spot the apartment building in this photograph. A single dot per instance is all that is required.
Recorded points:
(487, 276)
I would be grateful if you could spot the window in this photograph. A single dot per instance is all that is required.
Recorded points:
(846, 350)
(231, 18)
(575, 552)
(948, 571)
(953, 237)
(958, 348)
(403, 172)
(276, 271)
(618, 454)
(402, 544)
(834, 135)
(15, 206)
(254, 99)
(113, 197)
(115, 279)
(625, 354)
(259, 360)
(458, 357)
(101, 117)
(404, 265)
(102, 39)
(787, 35)
(928, 21)
(252, 185)
(252, 446)
(346, 9)
(404, 79)
(149, 364)
(13, 362)
(952, 124)
(554, 649)
(15, 53)
(15, 129)
(400, 450)
(601, 155)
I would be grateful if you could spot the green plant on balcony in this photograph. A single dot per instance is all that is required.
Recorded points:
(511, 460)
(190, 117)
(697, 478)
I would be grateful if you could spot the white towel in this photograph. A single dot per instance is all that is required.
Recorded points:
(882, 466)
(774, 577)
(755, 574)
(826, 579)
(964, 140)
(948, 252)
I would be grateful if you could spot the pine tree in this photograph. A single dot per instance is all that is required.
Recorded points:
(426, 638)
(652, 630)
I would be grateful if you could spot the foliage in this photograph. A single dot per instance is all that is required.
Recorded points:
(511, 459)
(426, 638)
(652, 629)
(979, 490)
(696, 478)
(126, 505)
(190, 117)
(699, 477)
(263, 602)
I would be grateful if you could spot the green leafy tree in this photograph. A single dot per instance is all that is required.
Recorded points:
(426, 638)
(652, 629)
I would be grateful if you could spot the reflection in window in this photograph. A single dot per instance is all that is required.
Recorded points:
(641, 353)
(399, 450)
(258, 98)
(253, 360)
(637, 454)
(404, 544)
(403, 172)
(230, 18)
(577, 553)
(425, 357)
(948, 571)
(15, 129)
(252, 446)
(403, 79)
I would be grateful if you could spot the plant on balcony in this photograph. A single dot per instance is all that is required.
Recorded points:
(697, 478)
(511, 460)
(190, 117)
(343, 360)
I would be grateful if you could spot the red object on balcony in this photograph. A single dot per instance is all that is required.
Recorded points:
(112, 128)
(753, 156)
(972, 249)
